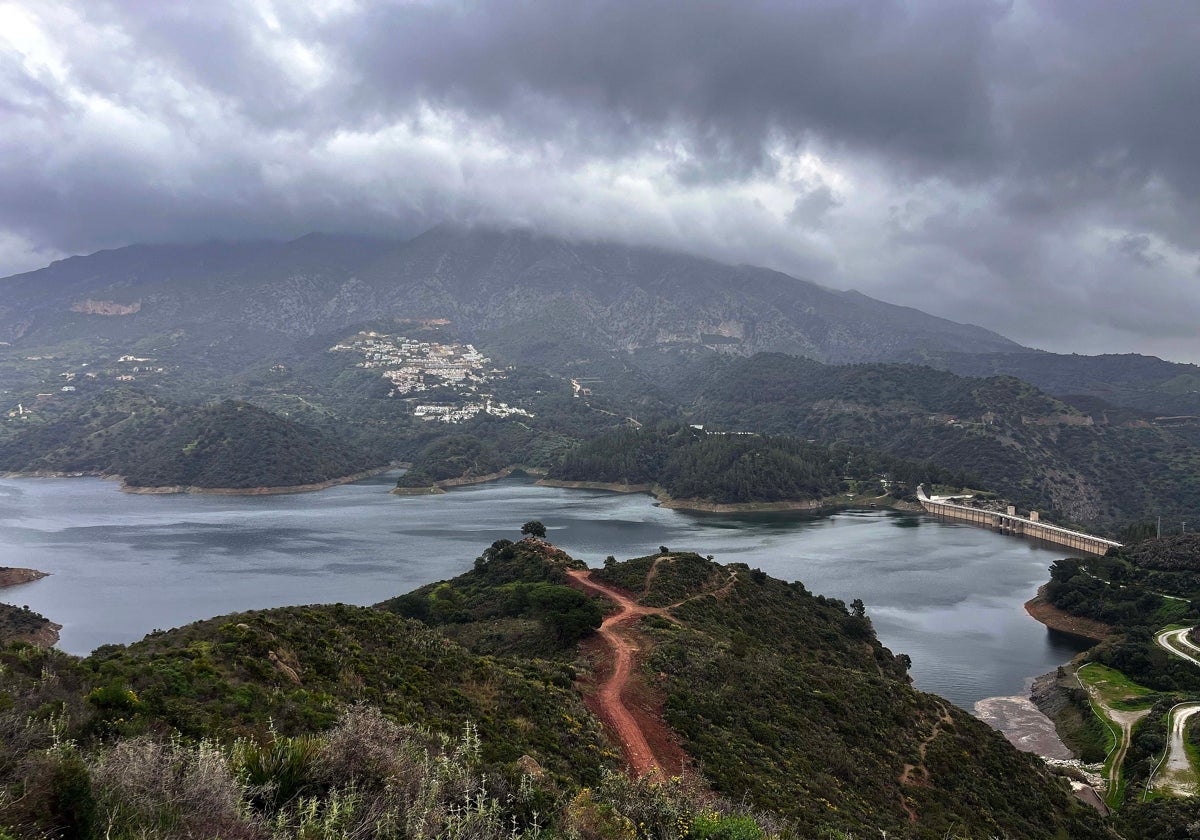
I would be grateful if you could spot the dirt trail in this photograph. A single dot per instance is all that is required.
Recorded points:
(1124, 721)
(918, 774)
(624, 718)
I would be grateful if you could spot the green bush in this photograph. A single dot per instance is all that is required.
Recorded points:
(279, 771)
(717, 827)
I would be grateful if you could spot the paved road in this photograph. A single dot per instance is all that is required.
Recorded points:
(1178, 643)
(1175, 775)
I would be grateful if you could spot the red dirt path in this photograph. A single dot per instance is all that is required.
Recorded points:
(643, 736)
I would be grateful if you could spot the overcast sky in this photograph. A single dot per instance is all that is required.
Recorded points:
(1030, 167)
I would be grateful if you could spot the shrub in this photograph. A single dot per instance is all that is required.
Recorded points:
(278, 772)
(186, 791)
(717, 827)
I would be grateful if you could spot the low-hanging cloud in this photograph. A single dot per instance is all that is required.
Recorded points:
(1029, 167)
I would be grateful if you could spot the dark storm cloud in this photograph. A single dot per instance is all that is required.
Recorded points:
(903, 81)
(935, 154)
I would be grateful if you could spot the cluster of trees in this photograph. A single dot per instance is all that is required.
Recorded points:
(1145, 585)
(1136, 590)
(21, 623)
(689, 463)
(154, 443)
(510, 580)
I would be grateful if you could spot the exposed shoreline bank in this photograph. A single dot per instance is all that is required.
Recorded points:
(439, 487)
(210, 491)
(31, 627)
(665, 500)
(1054, 618)
(612, 487)
(14, 576)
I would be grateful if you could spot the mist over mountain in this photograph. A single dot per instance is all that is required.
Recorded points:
(533, 298)
(613, 296)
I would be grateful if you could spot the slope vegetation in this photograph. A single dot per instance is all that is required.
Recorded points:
(1082, 466)
(154, 443)
(775, 695)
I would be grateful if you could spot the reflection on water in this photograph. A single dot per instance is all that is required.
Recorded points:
(947, 594)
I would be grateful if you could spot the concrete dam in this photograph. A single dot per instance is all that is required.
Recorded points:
(1011, 523)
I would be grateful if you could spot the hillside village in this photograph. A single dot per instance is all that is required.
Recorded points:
(125, 369)
(459, 375)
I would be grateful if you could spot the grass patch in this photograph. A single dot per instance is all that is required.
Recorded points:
(1171, 611)
(1114, 689)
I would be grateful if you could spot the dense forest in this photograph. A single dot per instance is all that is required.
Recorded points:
(689, 463)
(153, 443)
(1148, 583)
(1136, 590)
(1090, 464)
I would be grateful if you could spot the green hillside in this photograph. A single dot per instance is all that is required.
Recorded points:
(1079, 466)
(328, 722)
(691, 464)
(783, 698)
(154, 443)
(1140, 592)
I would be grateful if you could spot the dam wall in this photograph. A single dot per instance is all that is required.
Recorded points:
(1011, 523)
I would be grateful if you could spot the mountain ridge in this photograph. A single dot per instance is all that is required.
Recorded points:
(628, 297)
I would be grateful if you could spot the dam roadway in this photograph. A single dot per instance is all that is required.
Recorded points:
(1011, 523)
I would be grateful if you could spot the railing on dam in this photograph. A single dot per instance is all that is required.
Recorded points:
(1011, 523)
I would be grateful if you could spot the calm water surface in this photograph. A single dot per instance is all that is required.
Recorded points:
(122, 565)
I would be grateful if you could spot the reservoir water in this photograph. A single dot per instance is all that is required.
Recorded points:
(121, 565)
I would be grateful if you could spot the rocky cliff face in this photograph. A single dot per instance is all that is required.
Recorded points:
(106, 307)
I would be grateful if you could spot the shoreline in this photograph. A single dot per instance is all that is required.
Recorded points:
(664, 499)
(46, 635)
(1052, 617)
(172, 489)
(439, 487)
(475, 479)
(611, 486)
(702, 506)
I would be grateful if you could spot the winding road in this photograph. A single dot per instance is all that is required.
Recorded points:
(1175, 773)
(1177, 642)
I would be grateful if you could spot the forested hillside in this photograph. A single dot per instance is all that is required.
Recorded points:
(782, 698)
(1077, 465)
(153, 443)
(1146, 595)
(692, 464)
